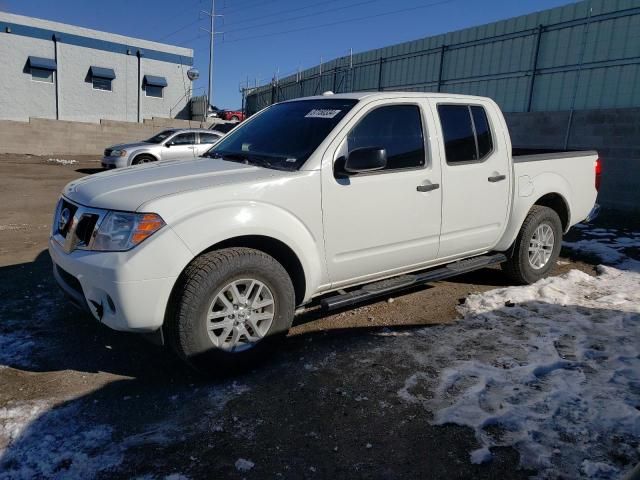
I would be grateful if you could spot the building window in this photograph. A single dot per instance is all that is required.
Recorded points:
(42, 69)
(102, 78)
(42, 75)
(154, 86)
(153, 91)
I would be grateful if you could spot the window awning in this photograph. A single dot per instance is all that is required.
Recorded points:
(100, 72)
(155, 81)
(44, 63)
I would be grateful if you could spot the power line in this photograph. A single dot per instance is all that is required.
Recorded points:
(345, 7)
(280, 12)
(356, 19)
(245, 5)
(190, 24)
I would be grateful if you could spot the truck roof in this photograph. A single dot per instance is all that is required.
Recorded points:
(386, 95)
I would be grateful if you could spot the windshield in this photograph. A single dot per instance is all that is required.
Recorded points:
(160, 137)
(285, 135)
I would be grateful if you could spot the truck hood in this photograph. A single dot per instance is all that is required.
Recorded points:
(128, 188)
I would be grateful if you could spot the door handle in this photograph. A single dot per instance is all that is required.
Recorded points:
(497, 178)
(428, 187)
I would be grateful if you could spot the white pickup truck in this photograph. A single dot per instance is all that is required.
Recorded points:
(329, 200)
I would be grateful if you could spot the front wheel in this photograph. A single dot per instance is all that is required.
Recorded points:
(537, 247)
(228, 308)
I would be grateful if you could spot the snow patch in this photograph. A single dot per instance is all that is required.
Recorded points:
(610, 246)
(244, 465)
(551, 369)
(62, 161)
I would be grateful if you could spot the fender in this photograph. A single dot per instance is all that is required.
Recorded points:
(140, 151)
(200, 230)
(543, 184)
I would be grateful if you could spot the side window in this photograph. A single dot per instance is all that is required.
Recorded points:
(184, 139)
(466, 132)
(483, 132)
(396, 128)
(209, 138)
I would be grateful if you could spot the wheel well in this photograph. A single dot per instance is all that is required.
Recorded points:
(144, 155)
(278, 250)
(557, 203)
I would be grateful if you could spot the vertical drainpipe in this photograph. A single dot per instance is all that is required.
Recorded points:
(139, 54)
(57, 76)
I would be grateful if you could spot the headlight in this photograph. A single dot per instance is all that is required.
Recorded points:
(118, 153)
(120, 231)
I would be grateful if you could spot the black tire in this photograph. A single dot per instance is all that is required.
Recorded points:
(519, 267)
(143, 159)
(186, 322)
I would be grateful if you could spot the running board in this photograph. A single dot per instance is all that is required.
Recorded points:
(384, 287)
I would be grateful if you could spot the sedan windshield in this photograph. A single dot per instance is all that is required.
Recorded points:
(285, 135)
(160, 137)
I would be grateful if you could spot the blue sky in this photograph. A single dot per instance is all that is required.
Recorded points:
(255, 44)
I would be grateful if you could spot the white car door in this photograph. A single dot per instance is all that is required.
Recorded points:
(384, 221)
(207, 139)
(476, 178)
(181, 146)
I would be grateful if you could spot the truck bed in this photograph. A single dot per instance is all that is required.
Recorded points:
(524, 154)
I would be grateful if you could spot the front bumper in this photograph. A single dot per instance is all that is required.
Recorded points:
(114, 162)
(127, 291)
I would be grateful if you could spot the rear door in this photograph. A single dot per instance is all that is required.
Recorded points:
(476, 178)
(386, 221)
(206, 141)
(181, 146)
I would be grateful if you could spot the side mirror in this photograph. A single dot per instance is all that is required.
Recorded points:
(168, 144)
(366, 159)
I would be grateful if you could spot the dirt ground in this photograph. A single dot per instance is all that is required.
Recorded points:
(324, 405)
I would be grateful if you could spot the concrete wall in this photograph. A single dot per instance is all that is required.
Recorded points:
(77, 50)
(614, 133)
(59, 137)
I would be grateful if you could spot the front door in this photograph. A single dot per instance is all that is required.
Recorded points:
(476, 179)
(181, 146)
(385, 221)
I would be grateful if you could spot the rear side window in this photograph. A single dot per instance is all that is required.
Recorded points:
(397, 129)
(209, 138)
(467, 136)
(483, 132)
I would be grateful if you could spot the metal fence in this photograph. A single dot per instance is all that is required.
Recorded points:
(581, 56)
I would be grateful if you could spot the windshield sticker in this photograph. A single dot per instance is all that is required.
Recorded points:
(322, 113)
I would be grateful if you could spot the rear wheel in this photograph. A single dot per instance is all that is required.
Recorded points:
(537, 247)
(229, 307)
(143, 159)
(235, 118)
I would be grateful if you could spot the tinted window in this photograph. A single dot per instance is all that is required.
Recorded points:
(457, 129)
(397, 129)
(42, 75)
(101, 83)
(483, 132)
(284, 135)
(153, 91)
(160, 137)
(183, 139)
(208, 138)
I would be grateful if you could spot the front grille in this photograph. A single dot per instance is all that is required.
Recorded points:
(107, 152)
(63, 227)
(85, 227)
(70, 280)
(74, 225)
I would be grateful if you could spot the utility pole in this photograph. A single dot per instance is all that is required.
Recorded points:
(212, 33)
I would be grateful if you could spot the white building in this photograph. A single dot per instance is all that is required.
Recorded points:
(59, 71)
